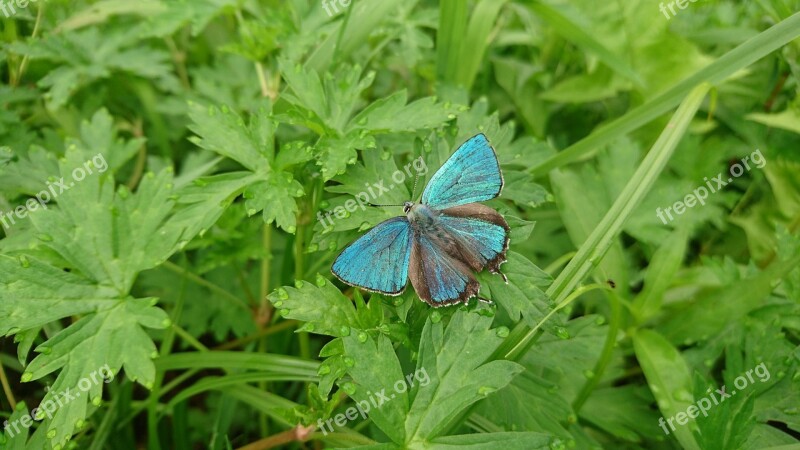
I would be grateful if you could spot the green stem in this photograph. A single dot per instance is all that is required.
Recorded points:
(155, 393)
(207, 284)
(601, 239)
(605, 356)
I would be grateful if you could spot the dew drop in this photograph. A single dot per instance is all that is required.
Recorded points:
(572, 418)
(321, 281)
(344, 330)
(485, 390)
(364, 226)
(80, 423)
(45, 350)
(332, 245)
(600, 320)
(323, 370)
(362, 337)
(398, 301)
(561, 332)
(349, 388)
(312, 248)
(362, 121)
(225, 109)
(27, 376)
(436, 317)
(308, 327)
(324, 204)
(385, 155)
(23, 260)
(291, 229)
(166, 323)
(96, 401)
(284, 312)
(299, 284)
(278, 304)
(502, 332)
(487, 312)
(349, 362)
(51, 434)
(282, 294)
(588, 373)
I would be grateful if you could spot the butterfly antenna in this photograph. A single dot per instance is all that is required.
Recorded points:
(414, 189)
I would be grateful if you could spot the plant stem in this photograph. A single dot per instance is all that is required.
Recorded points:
(207, 284)
(605, 356)
(166, 347)
(7, 388)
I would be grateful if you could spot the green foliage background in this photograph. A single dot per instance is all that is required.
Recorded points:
(194, 266)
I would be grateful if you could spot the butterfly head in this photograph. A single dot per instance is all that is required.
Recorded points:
(407, 207)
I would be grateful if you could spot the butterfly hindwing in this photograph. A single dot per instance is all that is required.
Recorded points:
(481, 230)
(471, 174)
(379, 260)
(438, 278)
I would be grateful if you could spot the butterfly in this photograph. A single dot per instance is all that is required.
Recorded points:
(441, 240)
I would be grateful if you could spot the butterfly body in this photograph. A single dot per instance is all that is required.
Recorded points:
(440, 241)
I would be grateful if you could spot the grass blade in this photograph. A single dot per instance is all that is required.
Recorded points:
(728, 64)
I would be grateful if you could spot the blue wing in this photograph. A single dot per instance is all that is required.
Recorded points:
(377, 261)
(471, 174)
(482, 233)
(439, 278)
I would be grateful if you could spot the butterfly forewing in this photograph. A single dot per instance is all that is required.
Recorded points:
(378, 261)
(471, 174)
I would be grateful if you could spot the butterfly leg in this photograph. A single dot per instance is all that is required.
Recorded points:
(497, 271)
(484, 300)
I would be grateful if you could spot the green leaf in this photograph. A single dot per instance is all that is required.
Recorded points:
(376, 375)
(523, 440)
(668, 376)
(324, 308)
(523, 294)
(454, 358)
(786, 120)
(266, 187)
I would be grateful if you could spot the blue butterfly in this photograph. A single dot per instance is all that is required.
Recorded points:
(441, 240)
